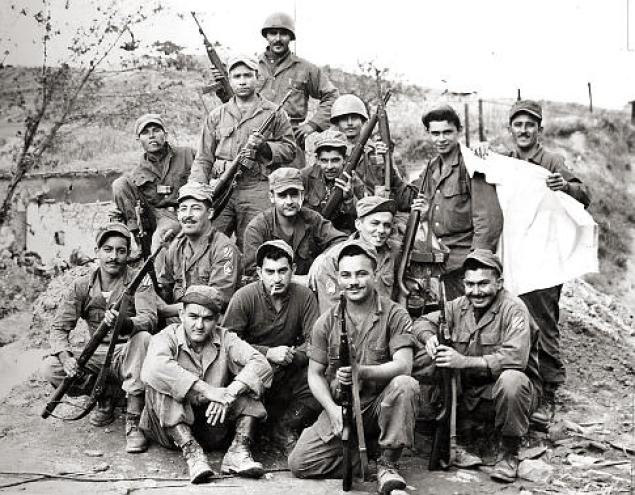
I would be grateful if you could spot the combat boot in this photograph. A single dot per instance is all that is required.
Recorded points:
(104, 412)
(199, 469)
(506, 467)
(135, 439)
(464, 459)
(543, 416)
(237, 459)
(388, 477)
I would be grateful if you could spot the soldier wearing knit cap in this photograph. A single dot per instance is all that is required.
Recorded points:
(204, 384)
(153, 185)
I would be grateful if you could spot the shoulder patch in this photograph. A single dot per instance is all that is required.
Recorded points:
(227, 252)
(330, 287)
(228, 267)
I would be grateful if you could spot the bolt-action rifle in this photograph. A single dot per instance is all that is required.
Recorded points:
(384, 132)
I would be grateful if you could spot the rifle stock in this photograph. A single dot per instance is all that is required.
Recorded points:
(99, 335)
(347, 404)
(384, 131)
(406, 251)
(351, 162)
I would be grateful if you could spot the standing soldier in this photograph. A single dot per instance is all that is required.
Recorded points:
(275, 316)
(320, 179)
(381, 333)
(525, 128)
(231, 129)
(463, 212)
(305, 230)
(349, 114)
(200, 254)
(90, 298)
(153, 185)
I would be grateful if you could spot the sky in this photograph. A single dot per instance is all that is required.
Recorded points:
(549, 49)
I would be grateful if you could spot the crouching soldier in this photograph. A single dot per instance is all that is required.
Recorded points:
(90, 298)
(495, 353)
(204, 383)
(381, 332)
(276, 316)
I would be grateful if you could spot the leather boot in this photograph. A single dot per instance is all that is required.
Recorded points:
(464, 459)
(135, 439)
(388, 477)
(199, 468)
(543, 416)
(506, 468)
(237, 459)
(104, 412)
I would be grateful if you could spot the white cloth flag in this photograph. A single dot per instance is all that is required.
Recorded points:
(548, 237)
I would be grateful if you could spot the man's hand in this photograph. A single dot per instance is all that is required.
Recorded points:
(255, 140)
(337, 422)
(447, 357)
(556, 182)
(69, 364)
(346, 185)
(481, 149)
(110, 317)
(217, 75)
(281, 355)
(431, 345)
(420, 203)
(220, 402)
(344, 375)
(303, 131)
(381, 148)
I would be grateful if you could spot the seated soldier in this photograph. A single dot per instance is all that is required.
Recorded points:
(90, 297)
(154, 183)
(320, 179)
(381, 332)
(495, 354)
(305, 230)
(200, 379)
(275, 316)
(200, 254)
(374, 225)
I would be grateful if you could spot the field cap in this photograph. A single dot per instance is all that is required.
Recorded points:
(203, 295)
(485, 257)
(527, 106)
(112, 228)
(364, 246)
(279, 243)
(331, 139)
(374, 204)
(285, 178)
(196, 190)
(242, 59)
(148, 118)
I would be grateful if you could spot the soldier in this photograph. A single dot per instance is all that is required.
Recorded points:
(154, 184)
(320, 179)
(525, 128)
(374, 225)
(200, 254)
(463, 212)
(381, 332)
(306, 231)
(281, 70)
(496, 356)
(90, 298)
(275, 316)
(231, 129)
(200, 379)
(349, 114)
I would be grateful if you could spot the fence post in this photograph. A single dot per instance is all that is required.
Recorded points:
(518, 94)
(632, 112)
(481, 129)
(590, 98)
(466, 107)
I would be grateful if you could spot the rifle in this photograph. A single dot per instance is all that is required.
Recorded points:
(225, 91)
(444, 441)
(351, 407)
(144, 239)
(227, 181)
(335, 200)
(384, 132)
(83, 375)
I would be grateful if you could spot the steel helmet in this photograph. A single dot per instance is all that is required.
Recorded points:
(279, 20)
(347, 104)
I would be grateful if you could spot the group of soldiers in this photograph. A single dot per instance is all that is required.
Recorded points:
(239, 340)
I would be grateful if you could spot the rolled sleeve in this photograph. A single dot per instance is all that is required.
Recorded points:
(248, 365)
(318, 348)
(426, 326)
(65, 320)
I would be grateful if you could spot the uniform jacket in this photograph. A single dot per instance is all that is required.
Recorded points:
(216, 263)
(84, 300)
(171, 367)
(312, 235)
(225, 132)
(172, 170)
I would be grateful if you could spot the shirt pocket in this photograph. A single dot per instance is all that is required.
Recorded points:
(224, 135)
(457, 206)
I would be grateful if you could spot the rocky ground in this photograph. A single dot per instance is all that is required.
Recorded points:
(589, 449)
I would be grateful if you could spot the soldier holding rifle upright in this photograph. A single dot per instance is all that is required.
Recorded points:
(381, 334)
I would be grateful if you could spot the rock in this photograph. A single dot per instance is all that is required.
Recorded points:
(581, 460)
(101, 467)
(534, 470)
(93, 453)
(532, 453)
(598, 475)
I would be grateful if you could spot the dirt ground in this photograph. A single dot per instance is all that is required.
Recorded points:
(580, 454)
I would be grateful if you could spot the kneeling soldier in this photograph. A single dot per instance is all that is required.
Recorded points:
(200, 378)
(90, 298)
(381, 333)
(496, 355)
